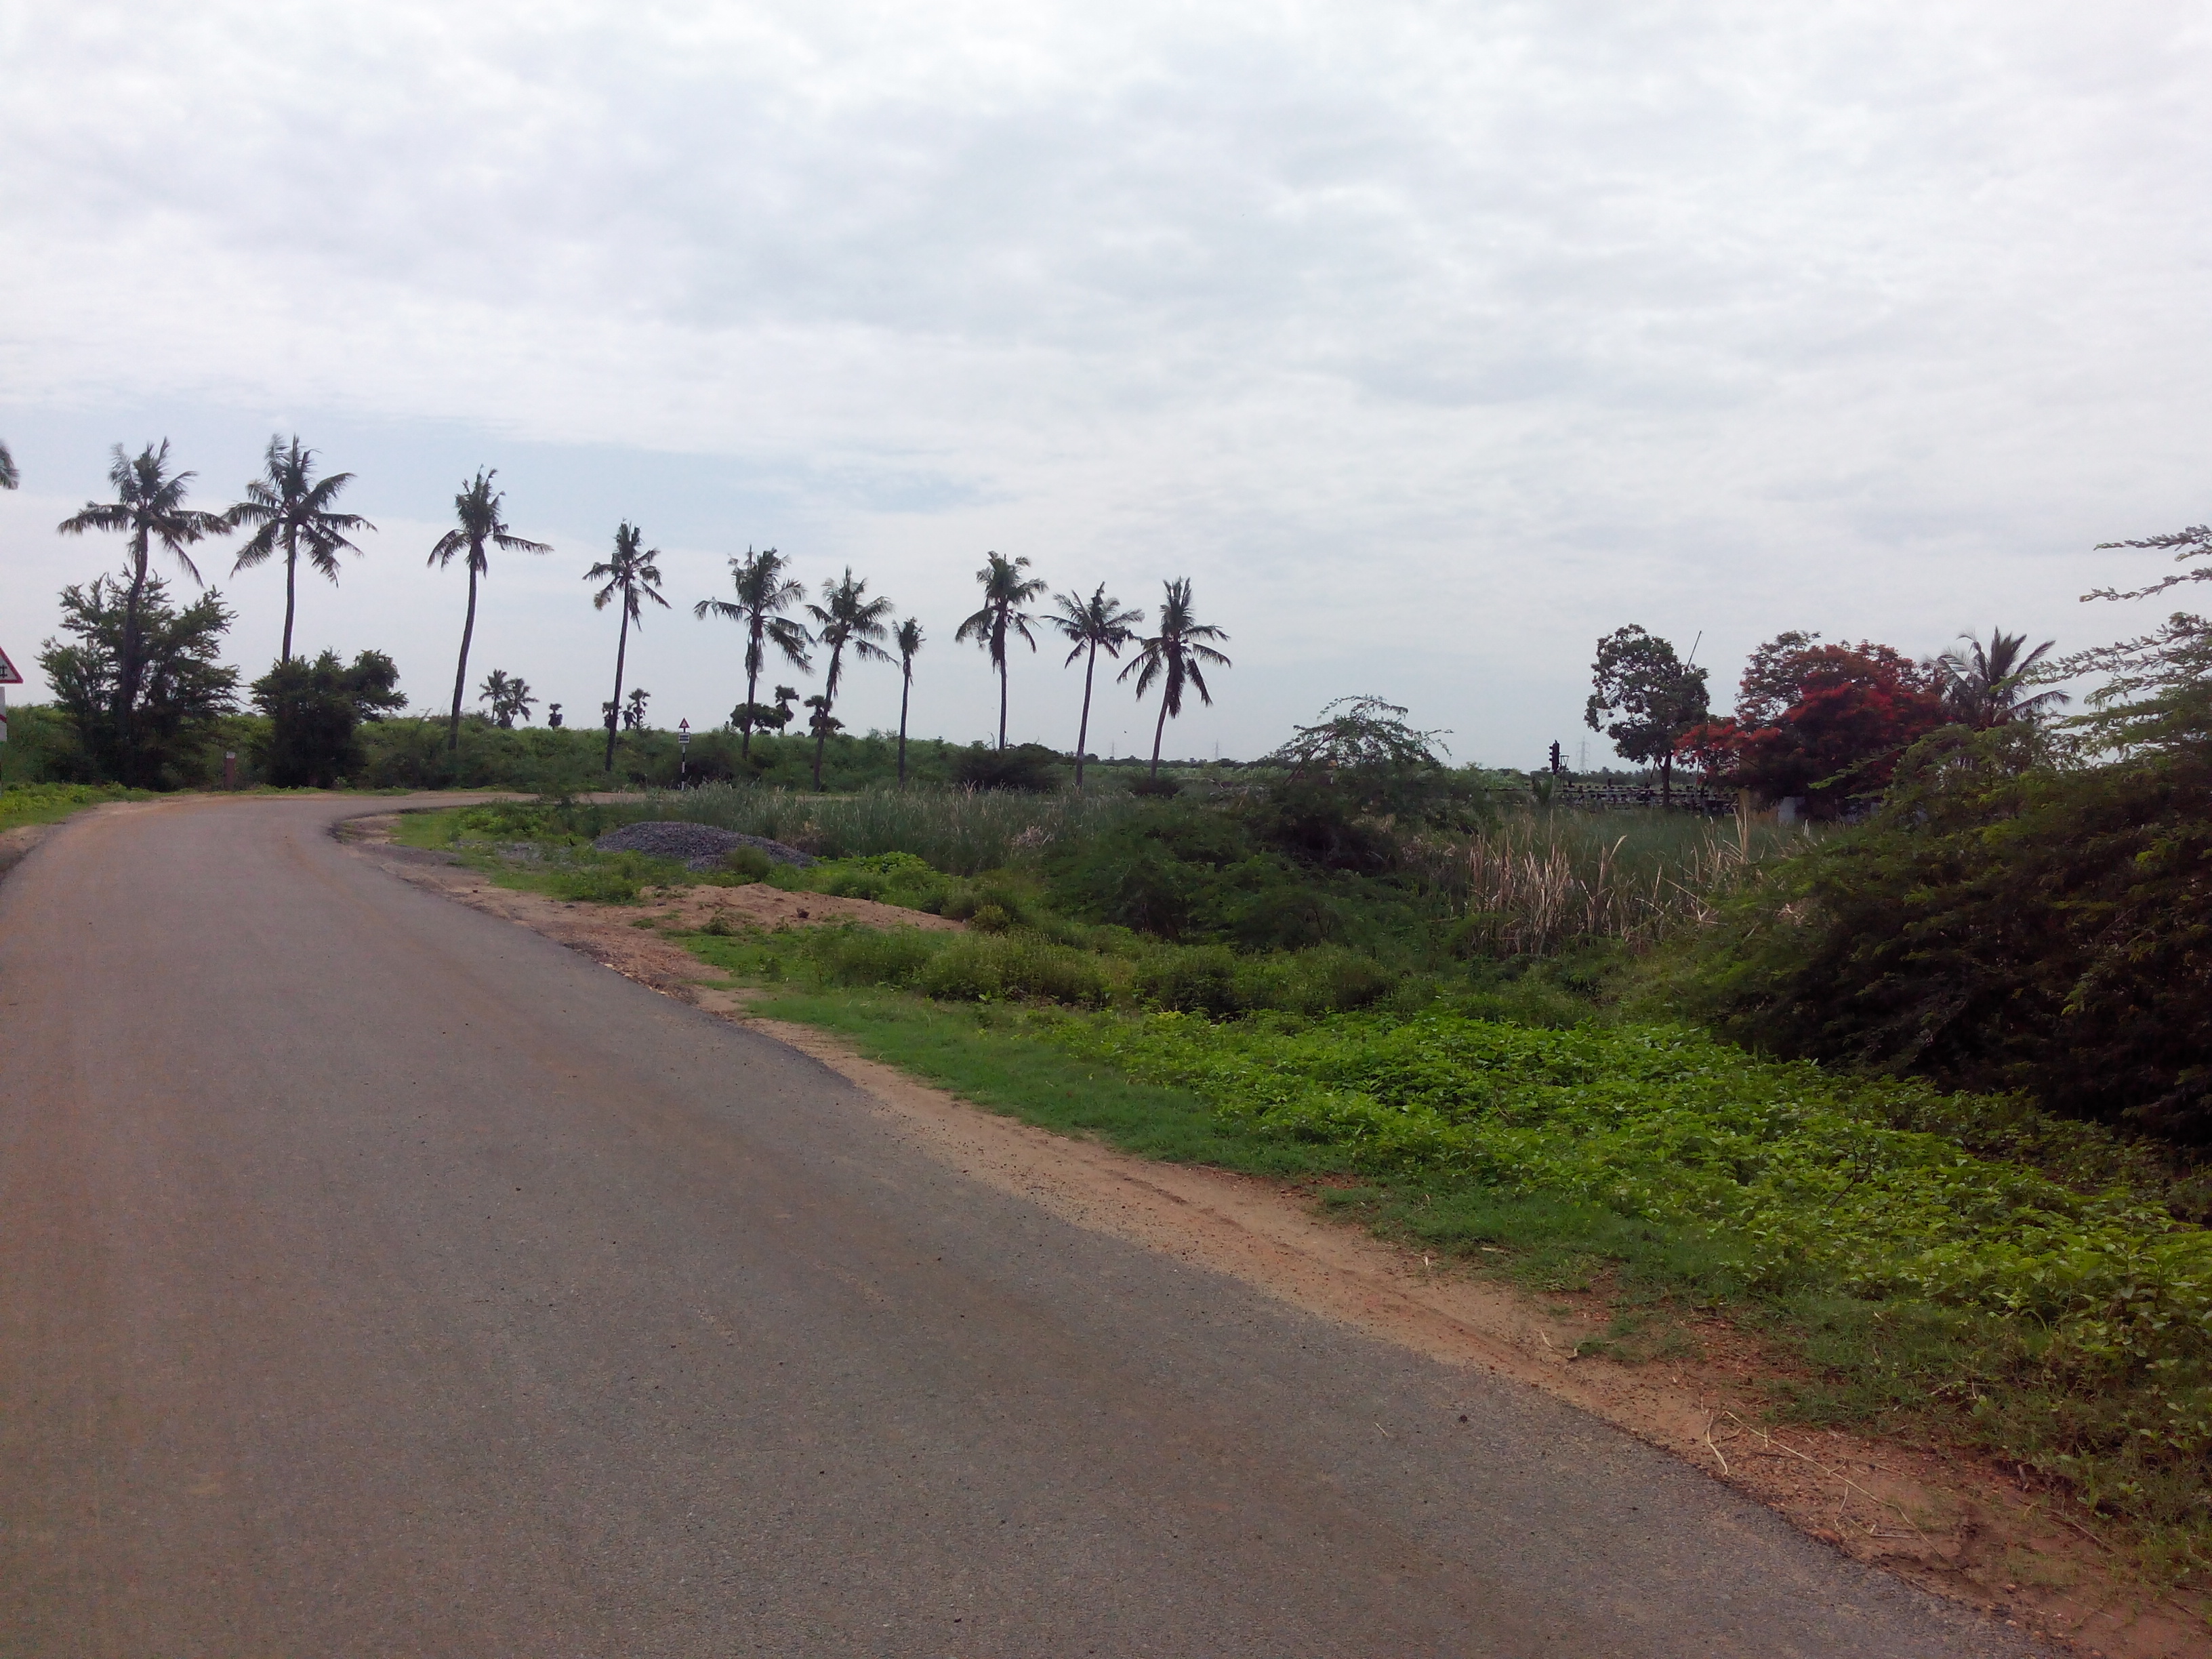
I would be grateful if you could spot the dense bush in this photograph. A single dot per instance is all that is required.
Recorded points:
(1999, 925)
(314, 709)
(155, 737)
(1029, 768)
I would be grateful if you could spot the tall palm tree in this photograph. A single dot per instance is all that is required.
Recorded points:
(1098, 624)
(765, 592)
(1176, 656)
(149, 507)
(632, 573)
(9, 477)
(1985, 684)
(846, 616)
(509, 695)
(1006, 590)
(907, 639)
(477, 509)
(293, 510)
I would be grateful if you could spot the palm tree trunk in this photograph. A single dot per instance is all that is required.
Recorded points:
(1083, 730)
(461, 674)
(753, 654)
(131, 668)
(1159, 730)
(291, 570)
(906, 689)
(1002, 702)
(622, 650)
(821, 738)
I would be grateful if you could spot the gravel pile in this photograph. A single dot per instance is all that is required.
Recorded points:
(700, 845)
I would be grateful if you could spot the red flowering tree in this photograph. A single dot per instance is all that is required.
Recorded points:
(1823, 721)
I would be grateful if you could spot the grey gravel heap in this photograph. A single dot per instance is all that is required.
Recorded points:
(700, 845)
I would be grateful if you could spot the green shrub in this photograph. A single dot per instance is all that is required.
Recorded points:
(1191, 979)
(990, 918)
(991, 967)
(613, 878)
(1029, 768)
(1325, 980)
(2000, 926)
(747, 864)
(868, 955)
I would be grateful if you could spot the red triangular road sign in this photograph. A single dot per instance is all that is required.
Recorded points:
(7, 674)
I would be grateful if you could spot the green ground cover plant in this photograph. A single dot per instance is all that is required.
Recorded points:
(50, 803)
(2037, 1294)
(1443, 1047)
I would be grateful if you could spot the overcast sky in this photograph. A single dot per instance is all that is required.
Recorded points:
(1431, 342)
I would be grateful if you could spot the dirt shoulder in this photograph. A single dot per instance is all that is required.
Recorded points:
(1952, 1522)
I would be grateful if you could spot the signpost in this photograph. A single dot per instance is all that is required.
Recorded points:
(8, 676)
(683, 749)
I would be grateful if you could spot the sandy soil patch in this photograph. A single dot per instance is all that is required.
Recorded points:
(1954, 1523)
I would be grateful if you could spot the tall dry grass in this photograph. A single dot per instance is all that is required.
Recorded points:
(1538, 881)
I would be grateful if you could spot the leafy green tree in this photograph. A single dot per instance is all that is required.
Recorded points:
(1098, 624)
(766, 716)
(149, 507)
(315, 710)
(150, 733)
(765, 592)
(291, 510)
(846, 617)
(634, 573)
(1177, 656)
(479, 529)
(2157, 697)
(1006, 591)
(1987, 685)
(907, 639)
(509, 696)
(1657, 697)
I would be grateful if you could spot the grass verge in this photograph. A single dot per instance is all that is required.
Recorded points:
(50, 803)
(2033, 1297)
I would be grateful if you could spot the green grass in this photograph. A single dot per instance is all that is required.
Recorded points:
(2042, 1303)
(50, 803)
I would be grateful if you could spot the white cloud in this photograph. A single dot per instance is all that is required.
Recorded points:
(1432, 340)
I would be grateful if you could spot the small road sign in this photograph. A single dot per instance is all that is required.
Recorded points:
(7, 674)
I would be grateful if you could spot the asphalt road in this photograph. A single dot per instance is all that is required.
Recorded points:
(378, 1277)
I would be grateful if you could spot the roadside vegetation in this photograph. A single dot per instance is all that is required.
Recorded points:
(1903, 1063)
(1462, 1014)
(50, 803)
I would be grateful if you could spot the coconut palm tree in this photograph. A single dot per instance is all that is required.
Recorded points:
(9, 477)
(1098, 624)
(149, 507)
(846, 617)
(480, 526)
(765, 592)
(1176, 656)
(293, 511)
(1984, 684)
(632, 573)
(1006, 590)
(509, 695)
(907, 639)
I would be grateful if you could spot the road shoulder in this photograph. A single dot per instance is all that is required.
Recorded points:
(1956, 1526)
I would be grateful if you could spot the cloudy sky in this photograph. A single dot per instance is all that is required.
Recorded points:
(1429, 341)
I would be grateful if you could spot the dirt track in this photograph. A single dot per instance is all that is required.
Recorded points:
(385, 1280)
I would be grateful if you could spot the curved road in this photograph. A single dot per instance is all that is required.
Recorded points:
(382, 1278)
